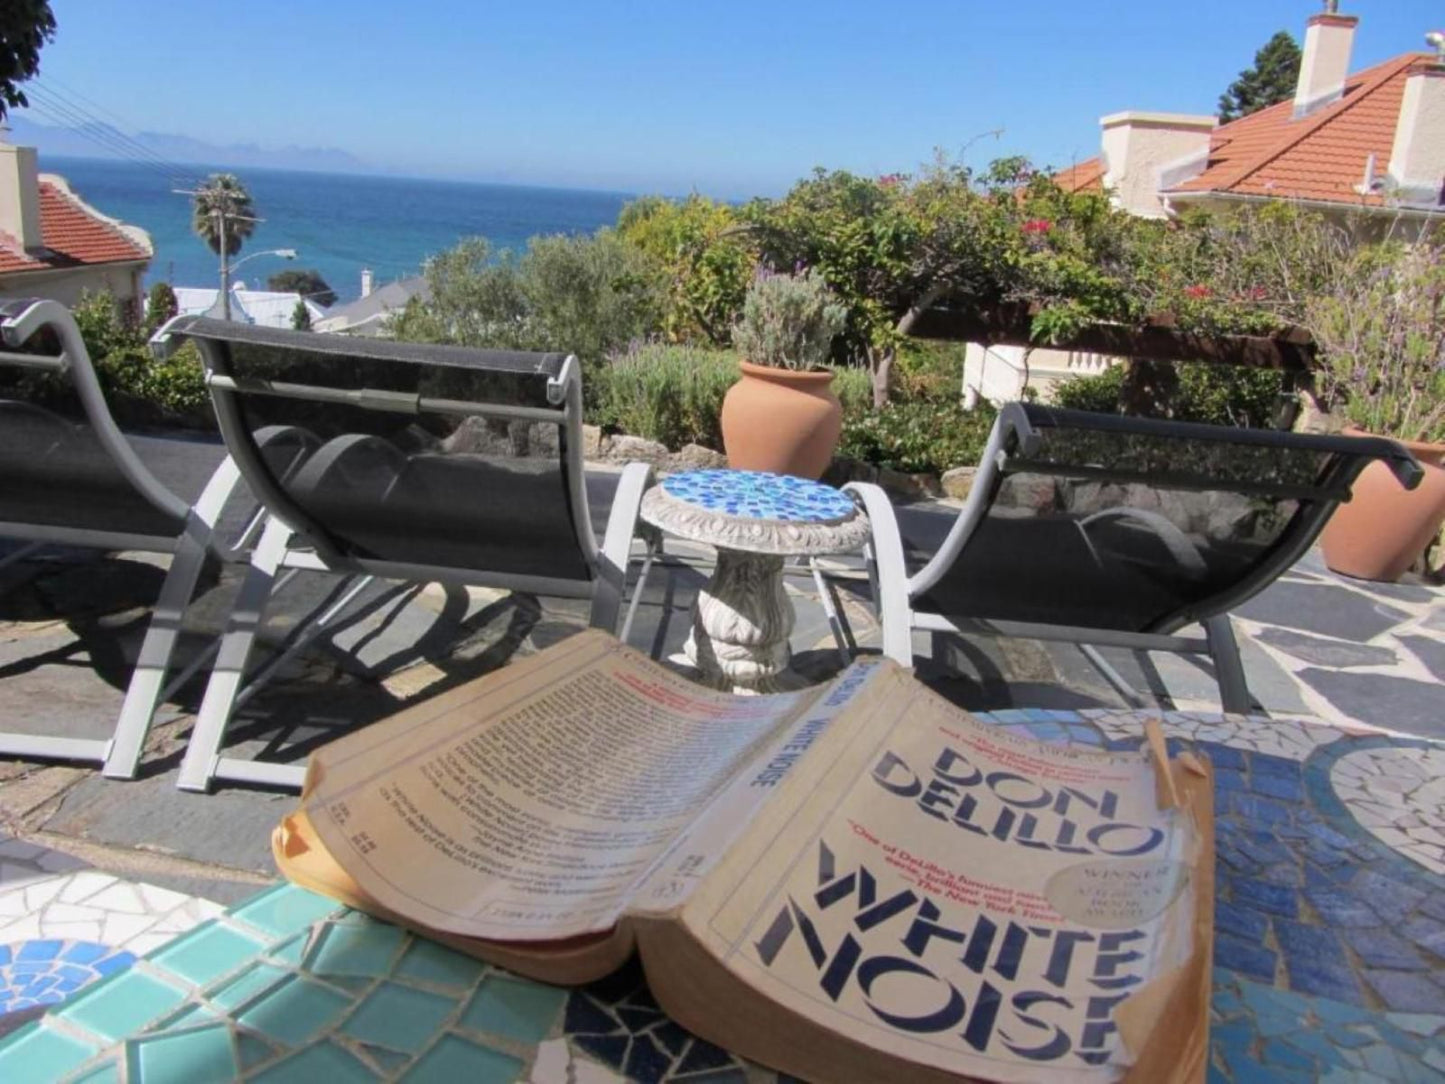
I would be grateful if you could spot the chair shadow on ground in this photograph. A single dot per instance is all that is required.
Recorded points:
(326, 691)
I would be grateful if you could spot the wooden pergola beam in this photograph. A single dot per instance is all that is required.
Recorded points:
(1291, 350)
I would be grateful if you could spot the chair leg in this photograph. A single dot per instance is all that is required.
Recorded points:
(143, 695)
(1228, 668)
(147, 683)
(198, 767)
(617, 546)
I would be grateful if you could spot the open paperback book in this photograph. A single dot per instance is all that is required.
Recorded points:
(855, 882)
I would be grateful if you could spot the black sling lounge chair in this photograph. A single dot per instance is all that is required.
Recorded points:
(78, 480)
(438, 463)
(1096, 529)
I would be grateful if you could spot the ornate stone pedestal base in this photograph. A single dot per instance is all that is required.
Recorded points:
(741, 623)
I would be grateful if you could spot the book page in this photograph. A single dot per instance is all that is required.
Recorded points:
(957, 896)
(531, 805)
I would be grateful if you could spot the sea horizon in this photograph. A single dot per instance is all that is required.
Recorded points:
(339, 223)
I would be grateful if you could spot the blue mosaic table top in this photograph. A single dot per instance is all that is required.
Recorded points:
(760, 495)
(1329, 942)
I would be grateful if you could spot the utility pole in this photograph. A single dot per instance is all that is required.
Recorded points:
(220, 215)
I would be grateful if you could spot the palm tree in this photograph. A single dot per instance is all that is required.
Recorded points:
(223, 216)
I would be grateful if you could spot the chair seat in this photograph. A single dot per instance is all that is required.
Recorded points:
(58, 474)
(463, 511)
(1060, 569)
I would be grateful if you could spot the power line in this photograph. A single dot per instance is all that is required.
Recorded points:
(104, 137)
(110, 135)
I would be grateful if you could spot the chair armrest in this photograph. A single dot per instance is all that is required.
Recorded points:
(887, 571)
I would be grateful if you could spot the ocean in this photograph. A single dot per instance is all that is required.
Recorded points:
(338, 223)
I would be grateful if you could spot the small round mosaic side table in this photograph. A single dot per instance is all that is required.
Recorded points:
(742, 618)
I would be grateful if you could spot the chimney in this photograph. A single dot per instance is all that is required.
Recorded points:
(366, 282)
(1417, 160)
(20, 196)
(1145, 152)
(1325, 63)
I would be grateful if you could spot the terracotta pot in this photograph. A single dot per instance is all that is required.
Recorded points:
(1384, 528)
(782, 421)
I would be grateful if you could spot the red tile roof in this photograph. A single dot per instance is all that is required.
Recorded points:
(1084, 176)
(74, 235)
(1318, 157)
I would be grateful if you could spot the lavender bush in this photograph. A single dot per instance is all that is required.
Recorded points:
(789, 321)
(1381, 333)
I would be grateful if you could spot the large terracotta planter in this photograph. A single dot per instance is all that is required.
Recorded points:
(1384, 528)
(782, 421)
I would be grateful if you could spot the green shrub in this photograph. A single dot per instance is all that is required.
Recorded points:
(671, 394)
(854, 389)
(1213, 394)
(918, 435)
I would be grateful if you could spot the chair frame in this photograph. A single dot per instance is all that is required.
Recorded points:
(292, 540)
(120, 754)
(1015, 437)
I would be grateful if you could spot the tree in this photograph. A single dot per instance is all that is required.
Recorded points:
(301, 316)
(222, 214)
(588, 296)
(161, 305)
(25, 27)
(305, 281)
(708, 257)
(1271, 80)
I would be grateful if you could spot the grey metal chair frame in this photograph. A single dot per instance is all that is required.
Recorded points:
(293, 540)
(1015, 439)
(120, 754)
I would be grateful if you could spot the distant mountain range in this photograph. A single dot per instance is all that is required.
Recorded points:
(100, 141)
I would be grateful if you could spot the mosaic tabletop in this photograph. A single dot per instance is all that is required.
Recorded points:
(756, 511)
(1329, 953)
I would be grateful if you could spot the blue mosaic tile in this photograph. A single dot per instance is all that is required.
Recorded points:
(760, 495)
(207, 952)
(295, 1011)
(202, 1056)
(45, 972)
(322, 1062)
(35, 1052)
(366, 950)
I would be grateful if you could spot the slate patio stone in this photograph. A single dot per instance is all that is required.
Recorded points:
(1330, 610)
(1323, 652)
(1430, 652)
(1415, 707)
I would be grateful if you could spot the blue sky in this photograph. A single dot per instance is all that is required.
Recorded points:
(731, 100)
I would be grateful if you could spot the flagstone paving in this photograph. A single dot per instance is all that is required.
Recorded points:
(1331, 839)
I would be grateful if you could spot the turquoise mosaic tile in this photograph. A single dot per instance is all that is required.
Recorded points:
(109, 1073)
(36, 1052)
(207, 952)
(455, 1059)
(295, 1011)
(426, 961)
(291, 951)
(355, 950)
(252, 1051)
(285, 910)
(122, 1004)
(202, 1056)
(518, 1009)
(400, 1018)
(248, 985)
(324, 1063)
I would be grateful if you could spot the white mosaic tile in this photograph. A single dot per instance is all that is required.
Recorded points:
(83, 885)
(1292, 739)
(159, 900)
(120, 928)
(25, 928)
(121, 897)
(1398, 795)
